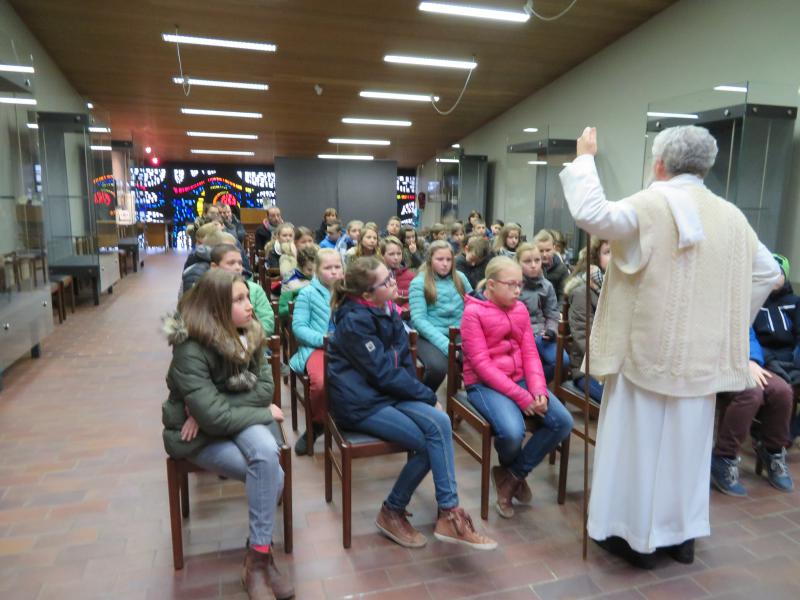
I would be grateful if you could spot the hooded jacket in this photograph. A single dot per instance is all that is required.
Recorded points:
(369, 364)
(310, 322)
(499, 349)
(539, 297)
(474, 273)
(557, 274)
(224, 390)
(198, 263)
(777, 324)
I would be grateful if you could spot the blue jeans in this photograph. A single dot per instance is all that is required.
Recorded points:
(547, 354)
(595, 388)
(508, 424)
(427, 434)
(251, 456)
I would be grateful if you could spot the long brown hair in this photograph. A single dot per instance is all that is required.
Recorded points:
(580, 267)
(500, 240)
(360, 246)
(430, 275)
(358, 279)
(206, 313)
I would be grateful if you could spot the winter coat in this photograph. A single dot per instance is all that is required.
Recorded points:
(777, 324)
(403, 276)
(369, 364)
(506, 252)
(262, 307)
(263, 235)
(499, 349)
(310, 322)
(201, 262)
(557, 274)
(539, 297)
(236, 229)
(434, 321)
(327, 243)
(579, 324)
(225, 392)
(475, 273)
(290, 289)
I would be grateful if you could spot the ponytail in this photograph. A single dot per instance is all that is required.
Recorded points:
(358, 279)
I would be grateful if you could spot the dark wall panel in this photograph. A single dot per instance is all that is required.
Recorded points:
(368, 190)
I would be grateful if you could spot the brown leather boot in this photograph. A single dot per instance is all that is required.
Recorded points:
(454, 526)
(505, 485)
(280, 584)
(394, 525)
(254, 575)
(523, 493)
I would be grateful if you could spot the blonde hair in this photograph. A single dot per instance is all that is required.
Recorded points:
(276, 236)
(390, 239)
(495, 266)
(526, 247)
(430, 281)
(219, 237)
(358, 280)
(500, 240)
(360, 246)
(354, 223)
(322, 253)
(205, 230)
(544, 236)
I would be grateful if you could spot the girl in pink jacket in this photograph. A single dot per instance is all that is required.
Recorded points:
(505, 382)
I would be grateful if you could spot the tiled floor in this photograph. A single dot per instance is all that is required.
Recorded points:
(83, 502)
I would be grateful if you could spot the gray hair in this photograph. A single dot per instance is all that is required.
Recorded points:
(686, 149)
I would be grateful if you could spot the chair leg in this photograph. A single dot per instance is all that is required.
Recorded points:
(562, 470)
(173, 488)
(553, 457)
(309, 423)
(759, 466)
(328, 465)
(347, 491)
(286, 463)
(293, 397)
(185, 495)
(72, 298)
(486, 463)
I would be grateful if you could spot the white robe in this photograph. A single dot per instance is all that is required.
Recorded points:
(652, 461)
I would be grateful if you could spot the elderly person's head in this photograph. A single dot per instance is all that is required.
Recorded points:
(274, 216)
(685, 149)
(226, 213)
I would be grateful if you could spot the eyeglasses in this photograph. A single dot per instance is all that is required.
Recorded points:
(512, 285)
(389, 281)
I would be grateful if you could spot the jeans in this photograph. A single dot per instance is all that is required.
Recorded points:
(508, 425)
(595, 388)
(425, 431)
(251, 456)
(434, 361)
(547, 354)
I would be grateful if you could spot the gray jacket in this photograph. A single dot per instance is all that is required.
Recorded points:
(539, 297)
(579, 323)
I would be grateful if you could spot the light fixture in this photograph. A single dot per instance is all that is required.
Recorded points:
(222, 84)
(33, 126)
(225, 152)
(90, 106)
(430, 62)
(147, 149)
(359, 142)
(388, 122)
(201, 41)
(155, 161)
(398, 96)
(531, 129)
(28, 101)
(227, 136)
(16, 69)
(221, 113)
(731, 88)
(99, 130)
(101, 148)
(346, 156)
(456, 146)
(537, 162)
(447, 160)
(669, 115)
(474, 11)
(566, 164)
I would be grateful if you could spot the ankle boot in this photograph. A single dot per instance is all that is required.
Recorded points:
(254, 575)
(280, 584)
(505, 485)
(683, 553)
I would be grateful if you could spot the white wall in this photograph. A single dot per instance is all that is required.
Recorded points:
(691, 46)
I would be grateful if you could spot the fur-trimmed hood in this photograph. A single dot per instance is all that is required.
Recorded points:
(228, 348)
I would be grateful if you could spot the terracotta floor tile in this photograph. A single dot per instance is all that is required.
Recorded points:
(683, 588)
(580, 586)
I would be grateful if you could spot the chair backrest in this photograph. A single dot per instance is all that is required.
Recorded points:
(290, 330)
(275, 363)
(454, 367)
(562, 340)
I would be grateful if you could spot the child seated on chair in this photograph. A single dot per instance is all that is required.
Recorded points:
(295, 276)
(504, 381)
(311, 322)
(373, 389)
(281, 244)
(219, 406)
(392, 254)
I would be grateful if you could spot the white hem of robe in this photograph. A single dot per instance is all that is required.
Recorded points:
(652, 464)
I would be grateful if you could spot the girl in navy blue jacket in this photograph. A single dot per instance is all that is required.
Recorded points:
(373, 388)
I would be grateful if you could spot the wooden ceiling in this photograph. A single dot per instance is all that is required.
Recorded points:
(112, 53)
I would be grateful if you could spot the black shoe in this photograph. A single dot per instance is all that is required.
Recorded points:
(619, 547)
(301, 447)
(683, 553)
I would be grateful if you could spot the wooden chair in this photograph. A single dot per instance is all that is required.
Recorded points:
(459, 408)
(178, 477)
(301, 393)
(68, 288)
(57, 295)
(123, 263)
(352, 445)
(282, 333)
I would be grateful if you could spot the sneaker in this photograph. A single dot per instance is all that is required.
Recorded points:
(725, 476)
(394, 525)
(505, 486)
(523, 493)
(455, 527)
(777, 471)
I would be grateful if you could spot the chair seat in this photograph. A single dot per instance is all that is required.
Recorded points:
(357, 438)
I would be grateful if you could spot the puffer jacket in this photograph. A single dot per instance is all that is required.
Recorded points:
(580, 323)
(403, 276)
(369, 364)
(224, 390)
(539, 297)
(475, 273)
(261, 307)
(198, 263)
(310, 322)
(499, 349)
(433, 322)
(777, 324)
(557, 274)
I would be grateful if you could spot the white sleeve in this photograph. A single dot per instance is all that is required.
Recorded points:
(765, 275)
(588, 205)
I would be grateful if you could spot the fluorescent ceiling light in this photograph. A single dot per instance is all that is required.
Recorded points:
(223, 84)
(389, 122)
(456, 146)
(474, 11)
(28, 101)
(227, 136)
(346, 156)
(221, 113)
(359, 142)
(89, 105)
(16, 69)
(101, 148)
(566, 164)
(397, 96)
(447, 160)
(33, 126)
(531, 129)
(537, 162)
(669, 115)
(430, 62)
(99, 130)
(225, 152)
(201, 41)
(731, 88)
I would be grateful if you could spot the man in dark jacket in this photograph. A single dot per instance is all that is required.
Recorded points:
(264, 231)
(231, 224)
